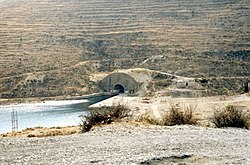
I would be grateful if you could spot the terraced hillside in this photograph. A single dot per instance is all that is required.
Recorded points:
(207, 38)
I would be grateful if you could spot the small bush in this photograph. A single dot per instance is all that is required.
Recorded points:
(145, 118)
(176, 116)
(103, 115)
(230, 117)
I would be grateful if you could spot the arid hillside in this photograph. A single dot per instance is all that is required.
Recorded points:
(50, 48)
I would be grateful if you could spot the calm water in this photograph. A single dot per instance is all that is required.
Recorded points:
(47, 114)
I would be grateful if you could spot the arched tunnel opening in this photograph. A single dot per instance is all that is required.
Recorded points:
(246, 90)
(119, 82)
(119, 88)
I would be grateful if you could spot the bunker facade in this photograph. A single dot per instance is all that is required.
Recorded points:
(121, 82)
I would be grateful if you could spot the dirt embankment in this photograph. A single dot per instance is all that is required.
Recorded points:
(43, 132)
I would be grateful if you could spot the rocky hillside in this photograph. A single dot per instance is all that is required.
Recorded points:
(51, 39)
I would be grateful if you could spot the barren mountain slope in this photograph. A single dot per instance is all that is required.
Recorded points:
(194, 38)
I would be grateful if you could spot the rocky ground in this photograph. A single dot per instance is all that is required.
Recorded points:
(137, 143)
(126, 143)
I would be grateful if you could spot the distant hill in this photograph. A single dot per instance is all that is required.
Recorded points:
(201, 38)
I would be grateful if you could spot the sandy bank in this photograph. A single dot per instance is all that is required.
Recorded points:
(204, 107)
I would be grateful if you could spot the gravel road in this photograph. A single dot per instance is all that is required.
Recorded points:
(124, 143)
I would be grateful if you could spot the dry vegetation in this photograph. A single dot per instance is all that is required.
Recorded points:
(103, 115)
(43, 132)
(231, 117)
(175, 116)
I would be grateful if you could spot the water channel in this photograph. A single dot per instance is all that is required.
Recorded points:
(45, 114)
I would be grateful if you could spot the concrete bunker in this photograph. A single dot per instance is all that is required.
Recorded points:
(121, 82)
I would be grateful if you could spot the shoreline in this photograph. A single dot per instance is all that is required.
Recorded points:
(155, 107)
(10, 101)
(44, 102)
(131, 142)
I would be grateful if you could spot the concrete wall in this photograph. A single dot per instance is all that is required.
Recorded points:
(128, 82)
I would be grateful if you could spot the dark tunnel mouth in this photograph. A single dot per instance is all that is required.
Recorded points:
(119, 88)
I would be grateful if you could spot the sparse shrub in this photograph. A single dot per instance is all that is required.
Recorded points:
(176, 116)
(161, 84)
(151, 120)
(145, 118)
(230, 117)
(31, 135)
(103, 115)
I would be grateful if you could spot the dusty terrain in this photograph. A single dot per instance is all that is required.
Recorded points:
(49, 48)
(204, 107)
(133, 144)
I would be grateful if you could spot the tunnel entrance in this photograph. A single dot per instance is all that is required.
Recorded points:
(121, 82)
(246, 90)
(119, 88)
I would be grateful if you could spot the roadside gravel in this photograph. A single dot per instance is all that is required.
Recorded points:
(126, 143)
